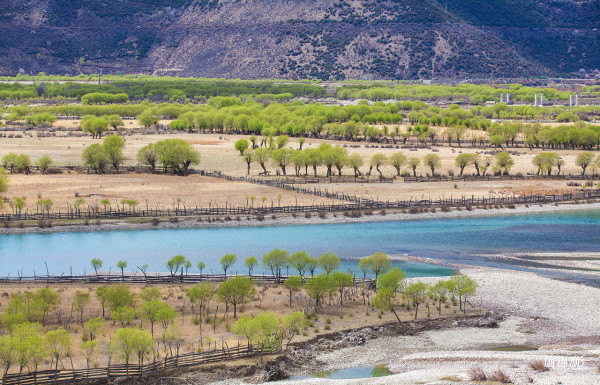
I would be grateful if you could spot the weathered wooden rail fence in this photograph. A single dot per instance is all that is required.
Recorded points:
(134, 370)
(358, 203)
(149, 278)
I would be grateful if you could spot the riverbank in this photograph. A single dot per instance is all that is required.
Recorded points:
(548, 321)
(298, 219)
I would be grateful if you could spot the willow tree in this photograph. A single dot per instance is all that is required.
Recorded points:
(433, 161)
(227, 261)
(329, 262)
(416, 293)
(463, 160)
(397, 160)
(275, 260)
(378, 160)
(236, 291)
(583, 160)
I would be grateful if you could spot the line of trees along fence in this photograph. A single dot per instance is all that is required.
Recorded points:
(149, 278)
(358, 203)
(472, 178)
(133, 370)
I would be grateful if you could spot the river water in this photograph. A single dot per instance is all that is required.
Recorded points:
(460, 240)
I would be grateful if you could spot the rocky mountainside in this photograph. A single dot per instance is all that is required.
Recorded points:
(327, 39)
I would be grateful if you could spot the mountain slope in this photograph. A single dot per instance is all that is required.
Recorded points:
(327, 39)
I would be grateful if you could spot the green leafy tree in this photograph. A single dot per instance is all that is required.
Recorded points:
(89, 350)
(29, 349)
(356, 161)
(227, 261)
(392, 279)
(282, 157)
(250, 263)
(148, 156)
(317, 287)
(341, 281)
(81, 300)
(312, 265)
(122, 265)
(94, 125)
(379, 263)
(119, 296)
(96, 264)
(44, 162)
(293, 284)
(241, 145)
(439, 292)
(113, 120)
(7, 353)
(128, 343)
(124, 315)
(91, 328)
(299, 261)
(363, 265)
(248, 156)
(275, 260)
(545, 162)
(292, 324)
(261, 156)
(463, 160)
(397, 160)
(175, 263)
(95, 157)
(113, 148)
(504, 162)
(199, 295)
(386, 300)
(583, 160)
(463, 286)
(378, 160)
(433, 161)
(18, 203)
(236, 291)
(177, 155)
(59, 343)
(329, 262)
(416, 292)
(150, 312)
(147, 118)
(150, 293)
(201, 266)
(414, 163)
(47, 301)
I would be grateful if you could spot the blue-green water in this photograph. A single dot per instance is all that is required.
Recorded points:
(349, 373)
(461, 240)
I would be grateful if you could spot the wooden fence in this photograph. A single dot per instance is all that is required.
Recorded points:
(133, 370)
(358, 203)
(148, 278)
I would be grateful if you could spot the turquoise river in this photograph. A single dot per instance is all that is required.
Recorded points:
(461, 240)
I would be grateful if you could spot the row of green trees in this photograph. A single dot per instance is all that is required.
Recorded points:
(22, 163)
(174, 155)
(390, 284)
(472, 93)
(337, 157)
(227, 114)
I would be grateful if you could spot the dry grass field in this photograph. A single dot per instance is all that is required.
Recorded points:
(218, 153)
(445, 190)
(269, 297)
(152, 191)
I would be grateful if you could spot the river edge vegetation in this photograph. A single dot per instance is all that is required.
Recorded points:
(87, 326)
